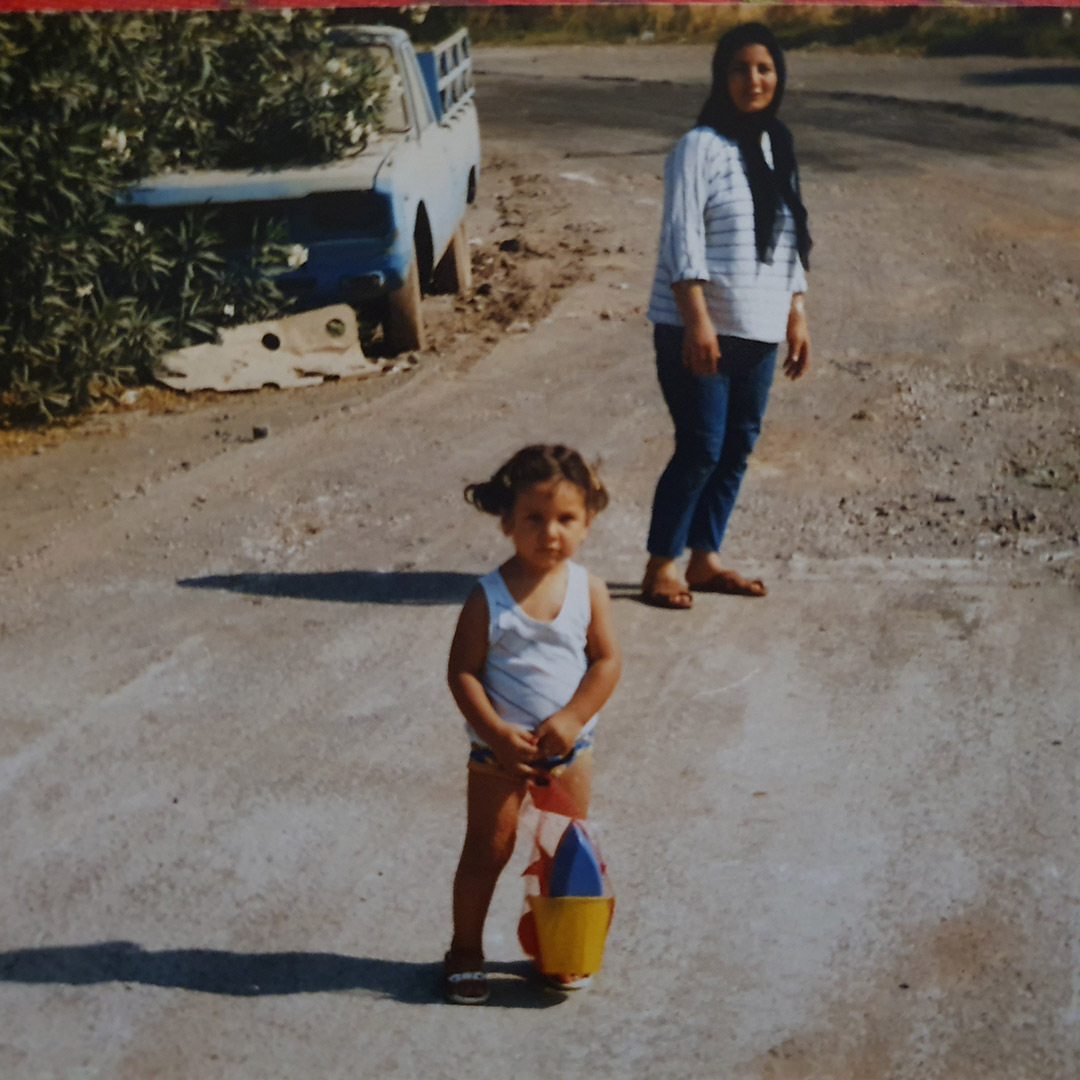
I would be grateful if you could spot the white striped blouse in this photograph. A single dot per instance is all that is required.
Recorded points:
(708, 236)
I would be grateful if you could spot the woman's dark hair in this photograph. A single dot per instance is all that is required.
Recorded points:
(769, 187)
(719, 111)
(537, 465)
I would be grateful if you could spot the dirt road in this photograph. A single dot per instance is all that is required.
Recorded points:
(840, 822)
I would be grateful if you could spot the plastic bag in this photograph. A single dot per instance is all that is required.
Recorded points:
(563, 933)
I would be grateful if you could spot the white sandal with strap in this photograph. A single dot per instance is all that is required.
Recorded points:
(454, 997)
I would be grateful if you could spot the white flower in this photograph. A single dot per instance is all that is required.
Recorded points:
(84, 290)
(353, 128)
(288, 14)
(139, 227)
(333, 65)
(324, 89)
(418, 12)
(229, 310)
(297, 255)
(115, 140)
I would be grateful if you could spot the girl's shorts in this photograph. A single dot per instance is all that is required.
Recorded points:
(482, 758)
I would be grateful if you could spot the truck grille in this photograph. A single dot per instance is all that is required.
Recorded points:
(325, 215)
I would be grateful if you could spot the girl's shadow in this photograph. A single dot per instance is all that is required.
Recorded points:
(214, 971)
(347, 586)
(417, 587)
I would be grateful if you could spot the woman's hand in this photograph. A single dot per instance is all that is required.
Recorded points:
(701, 349)
(798, 340)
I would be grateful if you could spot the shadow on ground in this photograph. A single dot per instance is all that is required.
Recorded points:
(213, 971)
(347, 586)
(1033, 76)
(365, 586)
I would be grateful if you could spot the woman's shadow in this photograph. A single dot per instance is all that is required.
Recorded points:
(235, 974)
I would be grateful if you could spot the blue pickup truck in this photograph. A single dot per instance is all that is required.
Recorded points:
(386, 223)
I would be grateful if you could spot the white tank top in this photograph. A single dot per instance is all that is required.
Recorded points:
(534, 668)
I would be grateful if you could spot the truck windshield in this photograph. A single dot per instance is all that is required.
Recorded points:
(394, 111)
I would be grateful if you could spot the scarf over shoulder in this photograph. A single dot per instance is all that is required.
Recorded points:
(768, 187)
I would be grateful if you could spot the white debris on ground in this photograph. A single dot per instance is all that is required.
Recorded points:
(298, 350)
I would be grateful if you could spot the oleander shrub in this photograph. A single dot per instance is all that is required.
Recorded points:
(90, 295)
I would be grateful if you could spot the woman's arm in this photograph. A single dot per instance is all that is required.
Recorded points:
(683, 245)
(512, 745)
(558, 732)
(798, 338)
(701, 349)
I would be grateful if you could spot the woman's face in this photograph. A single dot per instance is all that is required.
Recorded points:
(752, 78)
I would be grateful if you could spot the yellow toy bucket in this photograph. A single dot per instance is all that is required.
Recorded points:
(571, 931)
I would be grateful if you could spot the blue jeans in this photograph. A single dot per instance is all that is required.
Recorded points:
(717, 421)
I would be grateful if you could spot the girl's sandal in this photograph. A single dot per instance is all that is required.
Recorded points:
(464, 987)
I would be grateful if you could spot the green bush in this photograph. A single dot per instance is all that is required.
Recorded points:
(91, 296)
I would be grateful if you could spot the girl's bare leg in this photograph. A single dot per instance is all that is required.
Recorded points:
(494, 803)
(576, 782)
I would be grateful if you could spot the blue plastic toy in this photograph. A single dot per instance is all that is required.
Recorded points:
(576, 868)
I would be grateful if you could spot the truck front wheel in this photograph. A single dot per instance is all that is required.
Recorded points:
(454, 271)
(403, 326)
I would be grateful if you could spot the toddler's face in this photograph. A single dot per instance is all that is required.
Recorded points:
(548, 523)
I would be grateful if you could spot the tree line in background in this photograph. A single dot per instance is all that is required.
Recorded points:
(932, 31)
(90, 295)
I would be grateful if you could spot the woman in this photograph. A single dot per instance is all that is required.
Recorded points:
(729, 285)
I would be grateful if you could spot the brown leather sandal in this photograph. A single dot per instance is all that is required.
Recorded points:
(731, 584)
(678, 599)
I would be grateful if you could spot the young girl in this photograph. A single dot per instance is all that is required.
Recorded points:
(533, 659)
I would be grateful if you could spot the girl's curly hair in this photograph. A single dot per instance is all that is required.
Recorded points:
(537, 465)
